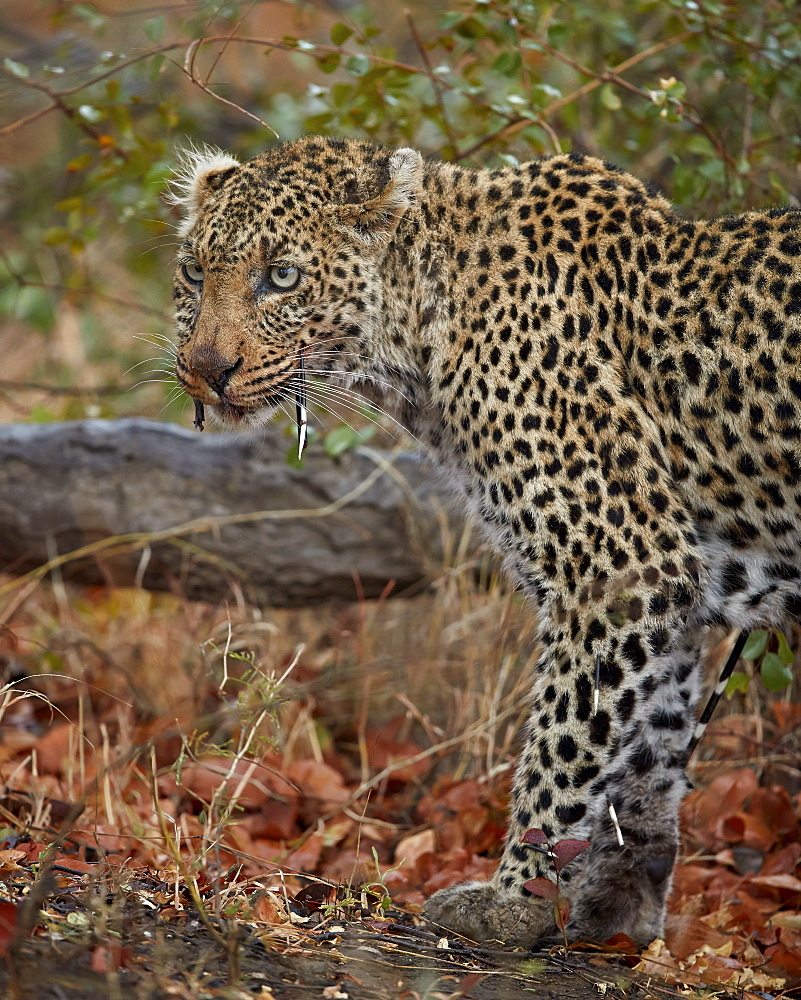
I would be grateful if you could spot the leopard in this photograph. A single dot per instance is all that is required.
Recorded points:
(611, 388)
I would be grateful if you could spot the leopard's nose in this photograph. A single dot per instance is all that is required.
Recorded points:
(207, 363)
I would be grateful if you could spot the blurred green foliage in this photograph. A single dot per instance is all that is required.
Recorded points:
(775, 657)
(702, 97)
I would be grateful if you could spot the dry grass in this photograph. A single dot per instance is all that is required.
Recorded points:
(121, 679)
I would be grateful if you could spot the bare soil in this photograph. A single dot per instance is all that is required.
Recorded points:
(185, 958)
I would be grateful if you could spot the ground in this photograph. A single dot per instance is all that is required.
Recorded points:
(303, 779)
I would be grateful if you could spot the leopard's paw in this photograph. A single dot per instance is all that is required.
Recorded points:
(482, 912)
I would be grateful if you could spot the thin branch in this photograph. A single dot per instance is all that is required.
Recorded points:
(74, 116)
(598, 79)
(225, 44)
(435, 80)
(65, 390)
(68, 292)
(188, 69)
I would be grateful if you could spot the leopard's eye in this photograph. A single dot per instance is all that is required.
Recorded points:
(193, 272)
(283, 277)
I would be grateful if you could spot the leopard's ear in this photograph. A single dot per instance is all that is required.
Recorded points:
(200, 172)
(373, 222)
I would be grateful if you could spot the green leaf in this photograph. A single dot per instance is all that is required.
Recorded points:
(18, 69)
(507, 64)
(340, 440)
(92, 17)
(559, 35)
(340, 33)
(72, 204)
(41, 415)
(341, 94)
(358, 65)
(775, 674)
(610, 98)
(738, 683)
(784, 652)
(154, 27)
(329, 62)
(449, 20)
(470, 27)
(292, 456)
(344, 438)
(755, 645)
(713, 170)
(80, 163)
(55, 235)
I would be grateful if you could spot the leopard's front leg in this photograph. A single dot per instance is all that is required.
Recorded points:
(577, 762)
(611, 714)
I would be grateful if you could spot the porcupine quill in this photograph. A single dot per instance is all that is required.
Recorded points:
(300, 407)
(200, 415)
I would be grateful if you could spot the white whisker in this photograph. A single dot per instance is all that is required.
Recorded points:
(147, 361)
(147, 381)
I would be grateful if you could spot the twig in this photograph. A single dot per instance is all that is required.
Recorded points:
(65, 390)
(60, 104)
(68, 291)
(598, 79)
(436, 82)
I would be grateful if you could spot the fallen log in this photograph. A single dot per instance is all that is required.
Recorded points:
(167, 508)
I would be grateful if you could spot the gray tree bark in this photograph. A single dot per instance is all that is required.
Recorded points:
(184, 504)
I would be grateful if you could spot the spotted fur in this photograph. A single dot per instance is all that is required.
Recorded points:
(615, 391)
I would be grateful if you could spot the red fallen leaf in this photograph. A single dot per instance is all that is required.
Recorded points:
(467, 983)
(8, 924)
(109, 958)
(748, 830)
(783, 861)
(462, 796)
(787, 715)
(781, 881)
(275, 821)
(686, 934)
(706, 808)
(544, 887)
(269, 909)
(385, 749)
(248, 779)
(474, 823)
(786, 952)
(319, 781)
(773, 808)
(306, 857)
(53, 747)
(689, 879)
(460, 866)
(566, 851)
(777, 954)
(622, 942)
(411, 848)
(77, 865)
(32, 850)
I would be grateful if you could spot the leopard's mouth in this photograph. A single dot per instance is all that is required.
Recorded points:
(234, 413)
(231, 410)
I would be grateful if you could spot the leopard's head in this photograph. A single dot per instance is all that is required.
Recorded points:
(279, 261)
